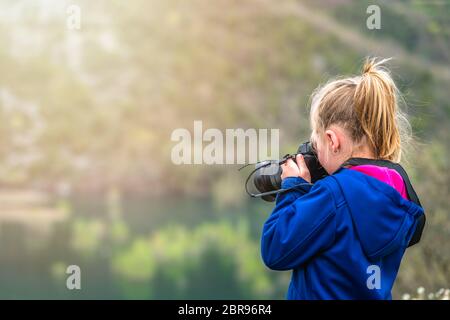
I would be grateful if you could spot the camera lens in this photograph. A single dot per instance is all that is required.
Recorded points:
(268, 178)
(267, 174)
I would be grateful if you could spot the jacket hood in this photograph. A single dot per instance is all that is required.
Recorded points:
(382, 218)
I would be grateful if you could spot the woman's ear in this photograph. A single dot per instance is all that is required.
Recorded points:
(333, 140)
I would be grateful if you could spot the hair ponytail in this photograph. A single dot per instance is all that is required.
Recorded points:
(365, 105)
(376, 108)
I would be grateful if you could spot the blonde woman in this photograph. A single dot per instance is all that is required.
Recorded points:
(344, 237)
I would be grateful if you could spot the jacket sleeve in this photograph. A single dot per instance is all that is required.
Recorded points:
(301, 225)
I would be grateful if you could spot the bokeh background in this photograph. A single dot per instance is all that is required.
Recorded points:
(86, 117)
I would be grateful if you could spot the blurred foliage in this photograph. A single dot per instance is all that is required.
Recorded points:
(211, 261)
(86, 236)
(441, 294)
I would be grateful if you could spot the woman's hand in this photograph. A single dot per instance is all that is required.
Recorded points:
(299, 169)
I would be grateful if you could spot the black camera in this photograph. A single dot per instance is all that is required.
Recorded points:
(267, 174)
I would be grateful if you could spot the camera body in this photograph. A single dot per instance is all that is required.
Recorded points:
(268, 174)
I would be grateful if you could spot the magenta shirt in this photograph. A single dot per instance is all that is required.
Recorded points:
(386, 175)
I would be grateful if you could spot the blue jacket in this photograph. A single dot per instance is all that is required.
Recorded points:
(343, 237)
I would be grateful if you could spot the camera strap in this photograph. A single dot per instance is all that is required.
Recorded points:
(412, 195)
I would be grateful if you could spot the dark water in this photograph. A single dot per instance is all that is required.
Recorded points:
(139, 248)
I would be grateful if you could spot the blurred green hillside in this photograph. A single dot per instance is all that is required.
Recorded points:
(100, 103)
(89, 113)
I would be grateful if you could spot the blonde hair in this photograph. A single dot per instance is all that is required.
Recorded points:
(367, 107)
